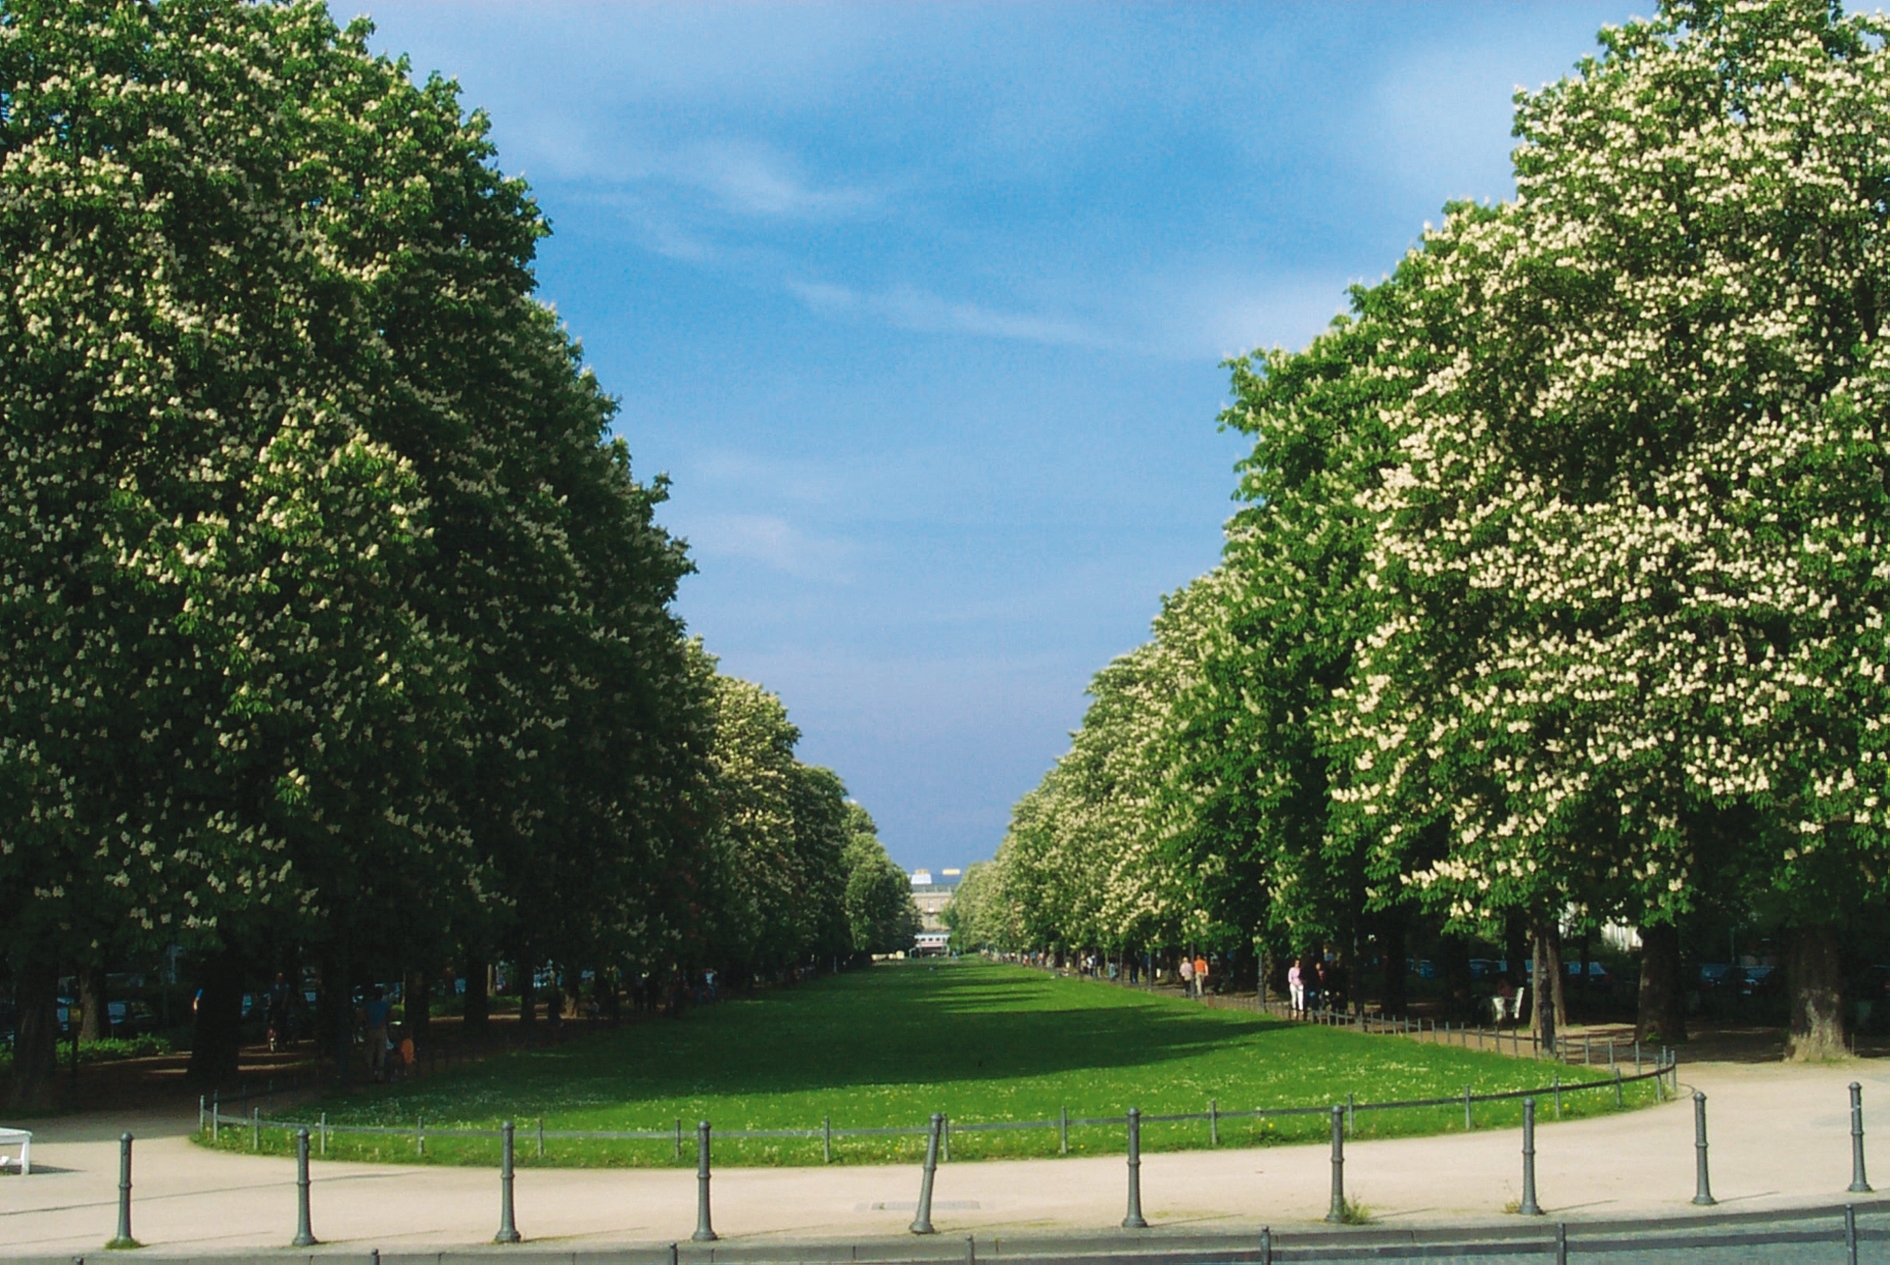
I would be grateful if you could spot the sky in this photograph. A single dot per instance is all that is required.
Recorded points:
(923, 309)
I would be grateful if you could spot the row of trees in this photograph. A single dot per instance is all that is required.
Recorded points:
(335, 622)
(1559, 592)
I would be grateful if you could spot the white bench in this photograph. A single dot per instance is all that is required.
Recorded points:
(22, 1138)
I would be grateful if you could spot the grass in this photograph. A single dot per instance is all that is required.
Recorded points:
(890, 1045)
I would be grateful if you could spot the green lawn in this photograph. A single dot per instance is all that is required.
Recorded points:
(978, 1041)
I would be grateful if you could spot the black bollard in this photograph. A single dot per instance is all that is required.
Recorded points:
(1336, 1213)
(304, 1236)
(1134, 1219)
(1858, 1185)
(705, 1233)
(1561, 1243)
(1850, 1234)
(922, 1222)
(1529, 1207)
(1703, 1192)
(1266, 1245)
(508, 1227)
(123, 1238)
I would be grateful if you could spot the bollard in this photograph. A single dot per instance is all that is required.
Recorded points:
(1858, 1185)
(1468, 1124)
(1214, 1123)
(324, 1131)
(1561, 1243)
(508, 1227)
(1850, 1234)
(826, 1140)
(1617, 1089)
(705, 1233)
(200, 1102)
(123, 1238)
(304, 1235)
(1529, 1207)
(1134, 1220)
(1063, 1130)
(1266, 1245)
(971, 1249)
(1703, 1193)
(922, 1223)
(1336, 1213)
(1351, 1120)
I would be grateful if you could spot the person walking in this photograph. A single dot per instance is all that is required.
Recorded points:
(1186, 971)
(373, 1016)
(1296, 988)
(1200, 975)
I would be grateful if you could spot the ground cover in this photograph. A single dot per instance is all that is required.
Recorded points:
(979, 1041)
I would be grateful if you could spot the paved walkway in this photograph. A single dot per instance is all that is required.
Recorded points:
(1780, 1139)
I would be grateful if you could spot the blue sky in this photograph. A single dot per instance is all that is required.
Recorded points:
(922, 308)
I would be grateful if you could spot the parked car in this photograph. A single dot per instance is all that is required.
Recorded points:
(1759, 981)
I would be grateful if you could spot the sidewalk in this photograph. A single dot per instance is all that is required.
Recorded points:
(1779, 1133)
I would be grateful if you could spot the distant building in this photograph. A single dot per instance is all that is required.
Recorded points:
(932, 897)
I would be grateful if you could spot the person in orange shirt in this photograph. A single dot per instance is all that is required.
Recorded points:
(1200, 975)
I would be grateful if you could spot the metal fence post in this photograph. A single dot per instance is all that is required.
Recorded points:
(1558, 1095)
(1468, 1123)
(508, 1226)
(1561, 1243)
(945, 1141)
(705, 1233)
(1134, 1219)
(826, 1140)
(1617, 1089)
(215, 1113)
(1703, 1193)
(922, 1223)
(1529, 1207)
(123, 1238)
(1214, 1123)
(1266, 1245)
(679, 1139)
(1063, 1131)
(255, 1128)
(541, 1137)
(200, 1102)
(1351, 1120)
(1858, 1184)
(324, 1131)
(420, 1135)
(1336, 1212)
(1850, 1234)
(304, 1234)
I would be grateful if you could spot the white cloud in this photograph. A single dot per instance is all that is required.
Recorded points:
(776, 543)
(907, 308)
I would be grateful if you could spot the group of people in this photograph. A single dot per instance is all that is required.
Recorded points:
(1194, 974)
(1312, 982)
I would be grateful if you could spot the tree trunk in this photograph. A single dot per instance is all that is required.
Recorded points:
(478, 1010)
(1516, 950)
(94, 1021)
(1558, 976)
(215, 1047)
(1585, 982)
(417, 1002)
(1454, 952)
(1391, 955)
(334, 1010)
(527, 995)
(1814, 972)
(36, 1041)
(1661, 1011)
(1543, 986)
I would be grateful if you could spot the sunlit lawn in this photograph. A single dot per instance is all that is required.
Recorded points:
(977, 1041)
